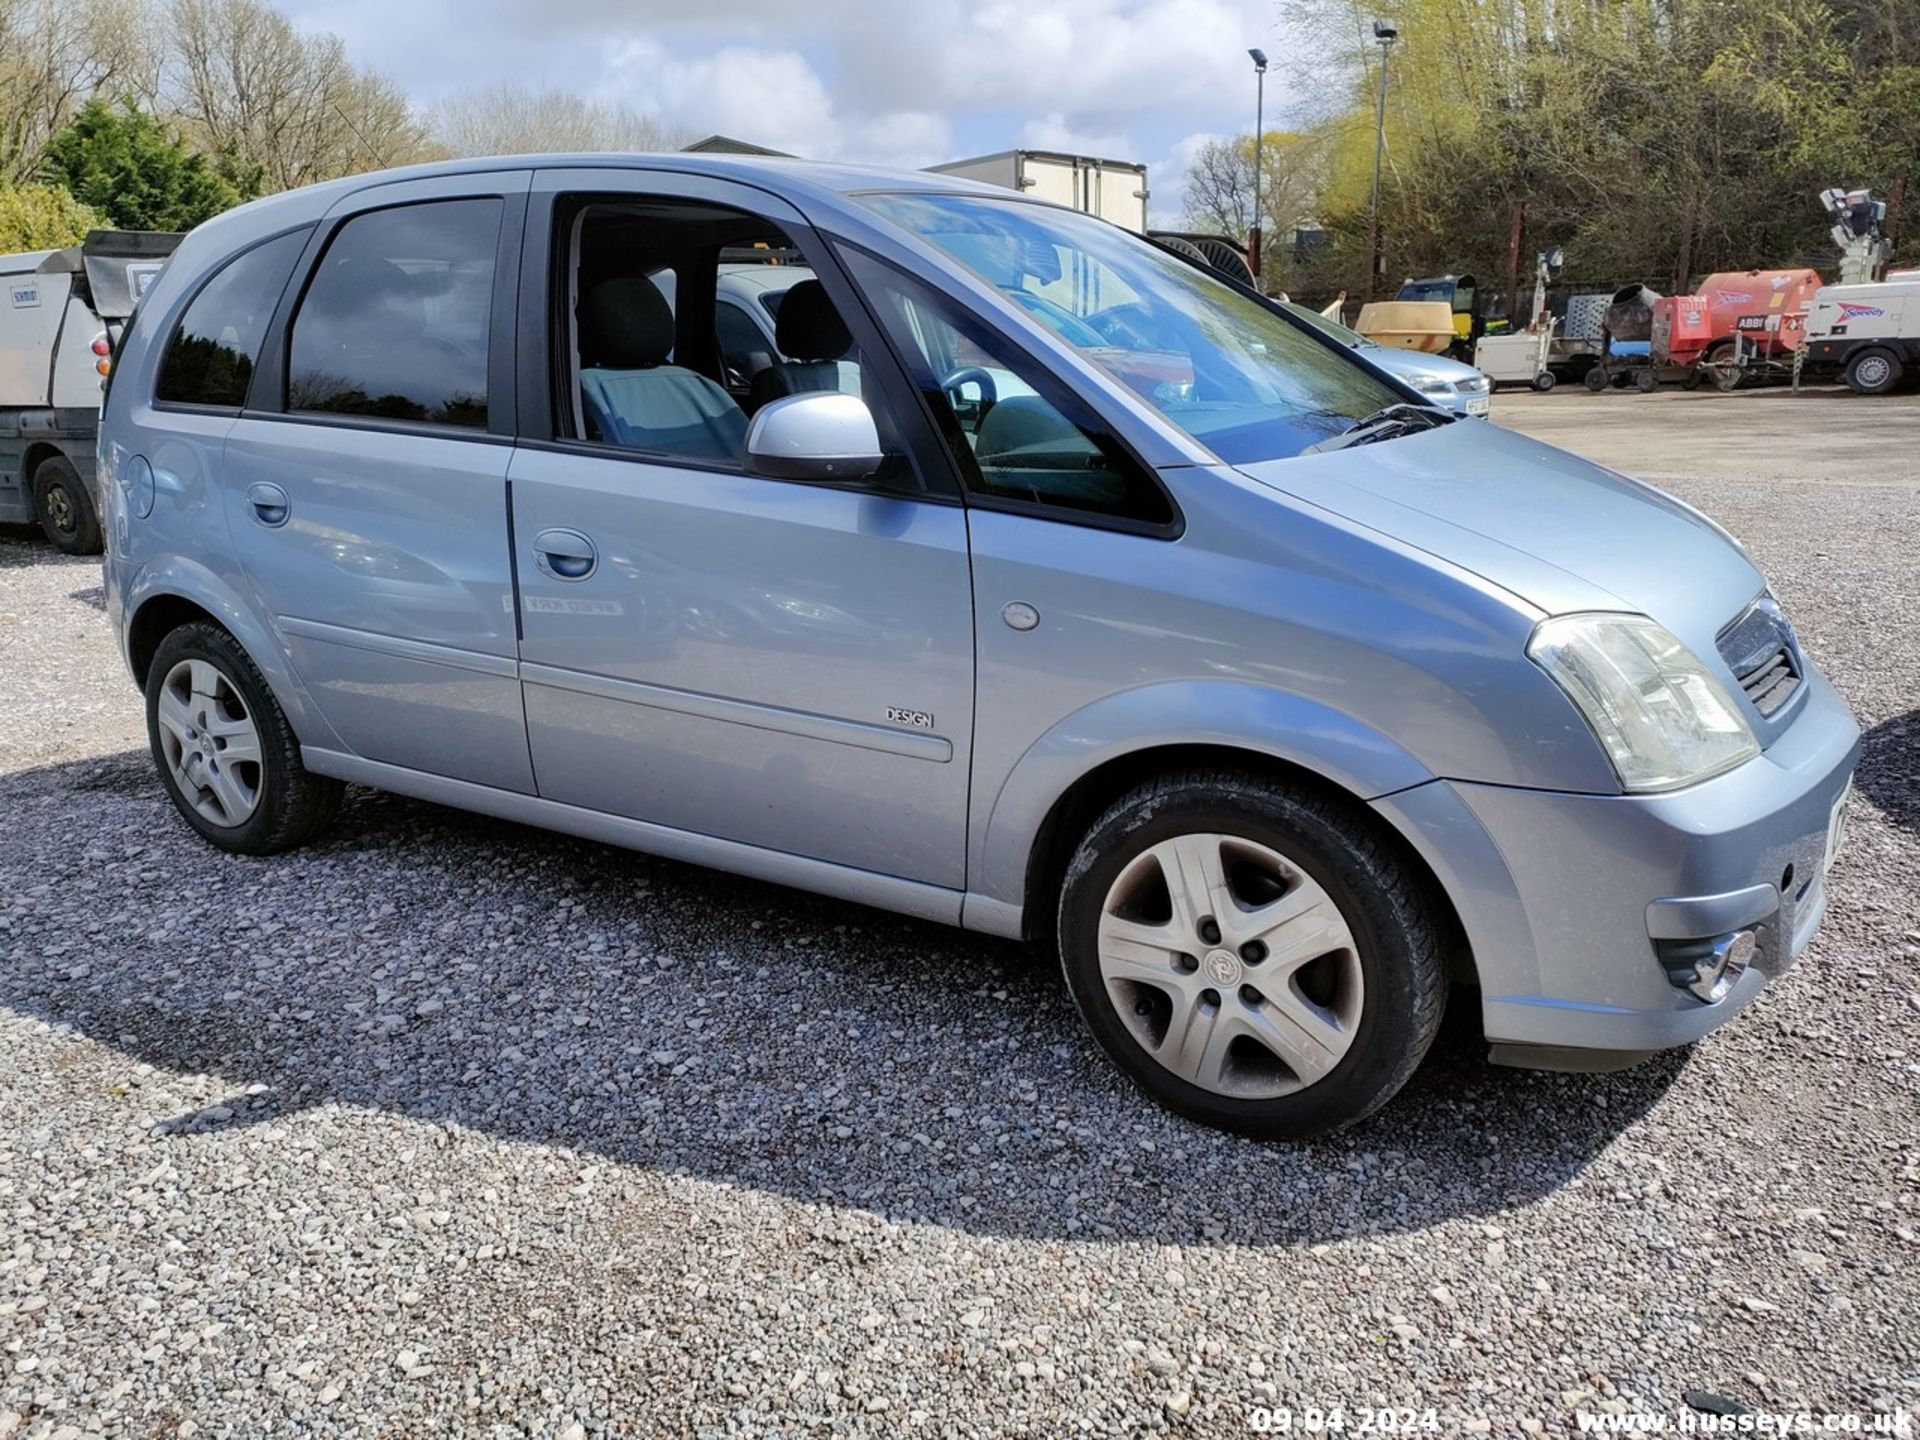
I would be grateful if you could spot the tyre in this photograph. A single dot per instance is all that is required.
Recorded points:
(1544, 381)
(224, 748)
(1647, 379)
(1873, 372)
(63, 505)
(1597, 378)
(1251, 953)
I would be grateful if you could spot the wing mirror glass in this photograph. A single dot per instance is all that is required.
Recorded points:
(819, 435)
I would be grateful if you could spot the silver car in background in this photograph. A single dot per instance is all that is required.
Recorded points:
(1439, 379)
(1037, 582)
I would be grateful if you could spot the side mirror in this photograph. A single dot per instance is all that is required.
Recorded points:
(818, 435)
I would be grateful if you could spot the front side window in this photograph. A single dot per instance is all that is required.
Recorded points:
(1015, 433)
(1242, 380)
(211, 356)
(395, 322)
(659, 360)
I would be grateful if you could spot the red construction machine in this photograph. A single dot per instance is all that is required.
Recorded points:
(1738, 325)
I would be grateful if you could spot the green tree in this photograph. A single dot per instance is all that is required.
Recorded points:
(125, 163)
(43, 217)
(1654, 140)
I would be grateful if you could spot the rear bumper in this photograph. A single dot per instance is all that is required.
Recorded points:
(1569, 900)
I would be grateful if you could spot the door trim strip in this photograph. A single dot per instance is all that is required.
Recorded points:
(806, 724)
(503, 667)
(843, 882)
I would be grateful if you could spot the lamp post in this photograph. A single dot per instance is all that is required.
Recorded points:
(1383, 35)
(1255, 233)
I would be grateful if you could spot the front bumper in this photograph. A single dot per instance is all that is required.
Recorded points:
(1566, 898)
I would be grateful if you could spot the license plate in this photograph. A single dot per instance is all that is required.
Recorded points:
(1837, 828)
(1482, 406)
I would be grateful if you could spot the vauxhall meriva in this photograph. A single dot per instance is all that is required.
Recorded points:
(1032, 579)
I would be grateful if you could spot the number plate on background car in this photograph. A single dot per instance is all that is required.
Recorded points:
(1480, 407)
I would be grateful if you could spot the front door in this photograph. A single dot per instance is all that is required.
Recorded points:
(369, 506)
(776, 663)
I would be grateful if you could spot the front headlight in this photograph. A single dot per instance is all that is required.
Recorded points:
(1433, 385)
(1661, 716)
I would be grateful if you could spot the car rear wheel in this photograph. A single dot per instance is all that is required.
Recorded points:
(1254, 955)
(1873, 372)
(226, 754)
(64, 507)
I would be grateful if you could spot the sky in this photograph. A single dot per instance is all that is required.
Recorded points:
(893, 82)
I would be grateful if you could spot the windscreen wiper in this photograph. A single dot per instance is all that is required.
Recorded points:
(1384, 424)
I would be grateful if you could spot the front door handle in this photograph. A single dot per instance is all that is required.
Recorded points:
(269, 502)
(564, 554)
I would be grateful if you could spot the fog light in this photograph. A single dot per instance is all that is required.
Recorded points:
(1709, 969)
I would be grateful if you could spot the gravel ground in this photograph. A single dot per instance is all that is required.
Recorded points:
(450, 1127)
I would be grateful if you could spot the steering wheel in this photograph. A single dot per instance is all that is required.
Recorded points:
(971, 375)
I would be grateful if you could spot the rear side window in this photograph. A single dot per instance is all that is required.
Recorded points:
(395, 321)
(211, 356)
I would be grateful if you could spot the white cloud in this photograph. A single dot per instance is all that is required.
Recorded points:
(1057, 132)
(898, 84)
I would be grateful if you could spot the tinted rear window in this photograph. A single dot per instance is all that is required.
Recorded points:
(395, 322)
(211, 356)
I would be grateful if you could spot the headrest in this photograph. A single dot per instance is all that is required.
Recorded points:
(808, 327)
(625, 324)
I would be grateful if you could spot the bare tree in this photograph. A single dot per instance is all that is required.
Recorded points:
(514, 120)
(54, 54)
(279, 107)
(1219, 189)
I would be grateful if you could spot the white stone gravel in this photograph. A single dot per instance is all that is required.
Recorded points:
(447, 1127)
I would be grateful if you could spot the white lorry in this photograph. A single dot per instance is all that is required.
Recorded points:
(1114, 190)
(1868, 334)
(61, 313)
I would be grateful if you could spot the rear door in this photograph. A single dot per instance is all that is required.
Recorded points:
(365, 485)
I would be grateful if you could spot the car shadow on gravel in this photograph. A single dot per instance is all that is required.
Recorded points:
(531, 988)
(1889, 773)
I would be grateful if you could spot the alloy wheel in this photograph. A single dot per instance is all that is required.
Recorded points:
(211, 746)
(1231, 966)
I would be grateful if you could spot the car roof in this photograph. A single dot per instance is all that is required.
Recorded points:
(819, 180)
(750, 276)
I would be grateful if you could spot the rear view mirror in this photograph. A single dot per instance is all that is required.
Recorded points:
(819, 435)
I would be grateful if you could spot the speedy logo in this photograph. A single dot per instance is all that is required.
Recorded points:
(1734, 297)
(1860, 312)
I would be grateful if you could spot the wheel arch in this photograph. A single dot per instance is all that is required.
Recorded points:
(1076, 810)
(1091, 758)
(38, 453)
(182, 592)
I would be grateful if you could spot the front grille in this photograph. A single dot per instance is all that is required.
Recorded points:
(1759, 649)
(1770, 683)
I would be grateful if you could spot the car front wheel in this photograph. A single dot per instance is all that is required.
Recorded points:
(1251, 953)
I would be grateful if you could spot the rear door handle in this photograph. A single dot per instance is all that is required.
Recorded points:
(269, 502)
(564, 554)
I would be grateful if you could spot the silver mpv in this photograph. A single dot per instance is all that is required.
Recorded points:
(1034, 580)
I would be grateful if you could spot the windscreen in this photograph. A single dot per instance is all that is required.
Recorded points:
(1242, 380)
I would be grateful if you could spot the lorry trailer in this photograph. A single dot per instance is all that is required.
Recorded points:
(63, 314)
(1114, 190)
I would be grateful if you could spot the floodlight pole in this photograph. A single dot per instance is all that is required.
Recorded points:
(1385, 36)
